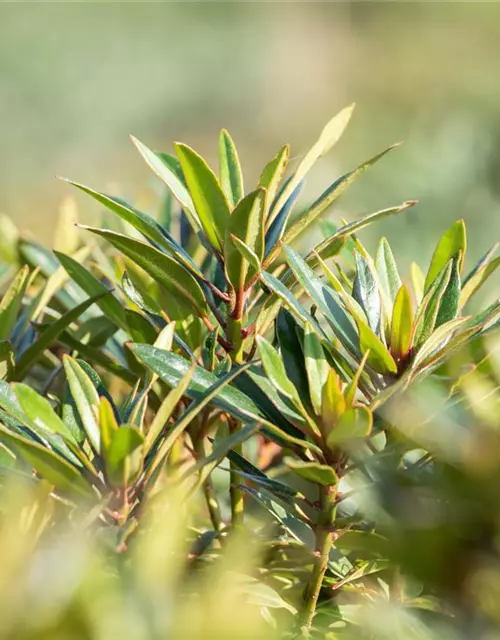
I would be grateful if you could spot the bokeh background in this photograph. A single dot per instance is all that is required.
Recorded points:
(77, 78)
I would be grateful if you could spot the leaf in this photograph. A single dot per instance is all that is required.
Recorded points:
(417, 281)
(247, 254)
(328, 138)
(107, 423)
(387, 270)
(209, 200)
(287, 334)
(366, 293)
(86, 400)
(11, 302)
(272, 175)
(333, 403)
(125, 456)
(247, 224)
(6, 359)
(378, 355)
(159, 266)
(50, 335)
(230, 171)
(401, 324)
(448, 308)
(476, 279)
(329, 196)
(355, 423)
(278, 226)
(452, 242)
(275, 369)
(438, 339)
(139, 328)
(39, 410)
(317, 367)
(47, 463)
(109, 305)
(170, 177)
(325, 298)
(313, 471)
(427, 312)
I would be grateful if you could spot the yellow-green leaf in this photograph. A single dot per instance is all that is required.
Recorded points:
(317, 367)
(231, 177)
(313, 471)
(11, 302)
(333, 403)
(354, 424)
(401, 324)
(452, 242)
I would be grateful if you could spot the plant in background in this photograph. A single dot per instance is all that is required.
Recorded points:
(138, 368)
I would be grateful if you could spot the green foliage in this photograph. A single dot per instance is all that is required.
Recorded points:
(245, 426)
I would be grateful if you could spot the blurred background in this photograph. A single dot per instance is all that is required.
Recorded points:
(77, 78)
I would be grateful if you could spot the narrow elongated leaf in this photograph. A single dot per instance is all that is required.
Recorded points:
(401, 324)
(170, 177)
(387, 270)
(452, 242)
(275, 369)
(355, 423)
(448, 307)
(313, 471)
(209, 200)
(476, 280)
(50, 335)
(107, 423)
(272, 175)
(325, 298)
(109, 305)
(231, 177)
(11, 302)
(417, 281)
(438, 339)
(159, 266)
(378, 355)
(287, 333)
(328, 138)
(86, 400)
(246, 223)
(333, 403)
(427, 312)
(366, 293)
(279, 224)
(39, 410)
(329, 196)
(139, 328)
(248, 255)
(317, 367)
(48, 464)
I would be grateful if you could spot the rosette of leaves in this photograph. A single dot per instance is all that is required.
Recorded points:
(402, 331)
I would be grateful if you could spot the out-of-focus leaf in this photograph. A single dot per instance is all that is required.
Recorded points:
(401, 324)
(66, 233)
(317, 367)
(417, 281)
(355, 423)
(231, 177)
(86, 400)
(476, 280)
(209, 200)
(48, 464)
(159, 266)
(452, 243)
(313, 471)
(11, 302)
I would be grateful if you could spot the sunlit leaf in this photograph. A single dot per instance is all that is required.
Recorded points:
(452, 243)
(355, 423)
(230, 171)
(313, 471)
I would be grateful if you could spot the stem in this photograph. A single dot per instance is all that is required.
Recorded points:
(324, 540)
(236, 494)
(209, 490)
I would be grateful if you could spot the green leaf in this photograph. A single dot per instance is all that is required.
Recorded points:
(139, 328)
(272, 175)
(6, 359)
(107, 423)
(86, 400)
(288, 334)
(39, 410)
(166, 172)
(327, 139)
(275, 369)
(313, 471)
(329, 196)
(11, 302)
(109, 305)
(247, 224)
(160, 267)
(124, 458)
(247, 254)
(387, 269)
(476, 279)
(366, 293)
(452, 242)
(448, 308)
(50, 335)
(48, 464)
(417, 281)
(209, 200)
(427, 312)
(436, 341)
(401, 324)
(231, 177)
(355, 423)
(325, 298)
(333, 402)
(378, 355)
(317, 367)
